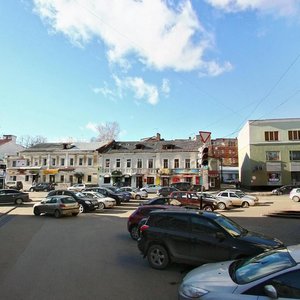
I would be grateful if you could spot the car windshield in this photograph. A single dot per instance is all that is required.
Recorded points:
(68, 200)
(248, 270)
(230, 226)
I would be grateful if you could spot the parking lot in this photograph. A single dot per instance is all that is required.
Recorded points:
(93, 257)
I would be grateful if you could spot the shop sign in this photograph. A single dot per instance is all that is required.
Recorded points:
(50, 171)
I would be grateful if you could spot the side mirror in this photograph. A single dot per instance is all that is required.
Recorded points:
(270, 291)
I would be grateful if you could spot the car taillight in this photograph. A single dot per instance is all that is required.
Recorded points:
(144, 228)
(62, 205)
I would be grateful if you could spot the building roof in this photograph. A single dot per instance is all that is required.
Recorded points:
(186, 145)
(75, 146)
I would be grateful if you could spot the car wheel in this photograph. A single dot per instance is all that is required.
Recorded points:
(75, 214)
(208, 208)
(19, 201)
(295, 198)
(81, 209)
(36, 211)
(31, 190)
(57, 214)
(138, 197)
(101, 205)
(221, 205)
(45, 190)
(245, 204)
(134, 233)
(158, 257)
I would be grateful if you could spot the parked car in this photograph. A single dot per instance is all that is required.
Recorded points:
(182, 186)
(78, 187)
(125, 196)
(295, 194)
(195, 237)
(12, 184)
(151, 188)
(10, 196)
(107, 193)
(161, 201)
(104, 202)
(270, 275)
(58, 205)
(42, 187)
(166, 191)
(85, 204)
(221, 203)
(237, 198)
(285, 189)
(140, 213)
(136, 193)
(192, 199)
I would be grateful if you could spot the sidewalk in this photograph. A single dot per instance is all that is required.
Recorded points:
(4, 210)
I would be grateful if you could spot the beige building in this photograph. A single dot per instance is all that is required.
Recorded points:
(269, 153)
(62, 163)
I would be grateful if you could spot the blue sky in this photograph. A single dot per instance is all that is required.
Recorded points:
(174, 67)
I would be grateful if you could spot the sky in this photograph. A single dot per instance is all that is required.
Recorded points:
(168, 67)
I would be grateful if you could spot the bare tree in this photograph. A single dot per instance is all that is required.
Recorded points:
(28, 141)
(107, 131)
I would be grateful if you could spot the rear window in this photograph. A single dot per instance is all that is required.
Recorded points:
(68, 200)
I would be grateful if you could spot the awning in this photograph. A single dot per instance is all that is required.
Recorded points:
(106, 175)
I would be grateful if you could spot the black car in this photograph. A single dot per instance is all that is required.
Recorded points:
(195, 237)
(285, 189)
(108, 193)
(10, 196)
(85, 204)
(125, 196)
(166, 191)
(182, 186)
(42, 187)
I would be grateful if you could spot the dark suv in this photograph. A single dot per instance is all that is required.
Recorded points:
(42, 187)
(85, 204)
(107, 193)
(195, 237)
(192, 199)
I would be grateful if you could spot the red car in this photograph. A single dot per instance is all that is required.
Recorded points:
(142, 212)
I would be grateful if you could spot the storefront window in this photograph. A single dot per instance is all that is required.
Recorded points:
(274, 178)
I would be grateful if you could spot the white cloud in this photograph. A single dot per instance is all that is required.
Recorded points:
(91, 126)
(142, 90)
(165, 87)
(275, 7)
(159, 33)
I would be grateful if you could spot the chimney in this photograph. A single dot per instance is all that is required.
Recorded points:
(158, 136)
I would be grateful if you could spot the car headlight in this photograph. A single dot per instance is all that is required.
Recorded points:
(192, 291)
(87, 202)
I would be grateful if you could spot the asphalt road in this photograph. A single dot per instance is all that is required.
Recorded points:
(92, 256)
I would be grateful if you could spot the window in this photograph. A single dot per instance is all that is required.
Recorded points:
(90, 161)
(62, 161)
(26, 177)
(203, 226)
(272, 155)
(53, 162)
(187, 163)
(44, 161)
(176, 163)
(294, 155)
(89, 178)
(139, 163)
(118, 163)
(177, 223)
(71, 161)
(128, 163)
(107, 163)
(106, 180)
(80, 162)
(150, 163)
(271, 135)
(294, 135)
(166, 163)
(62, 178)
(14, 163)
